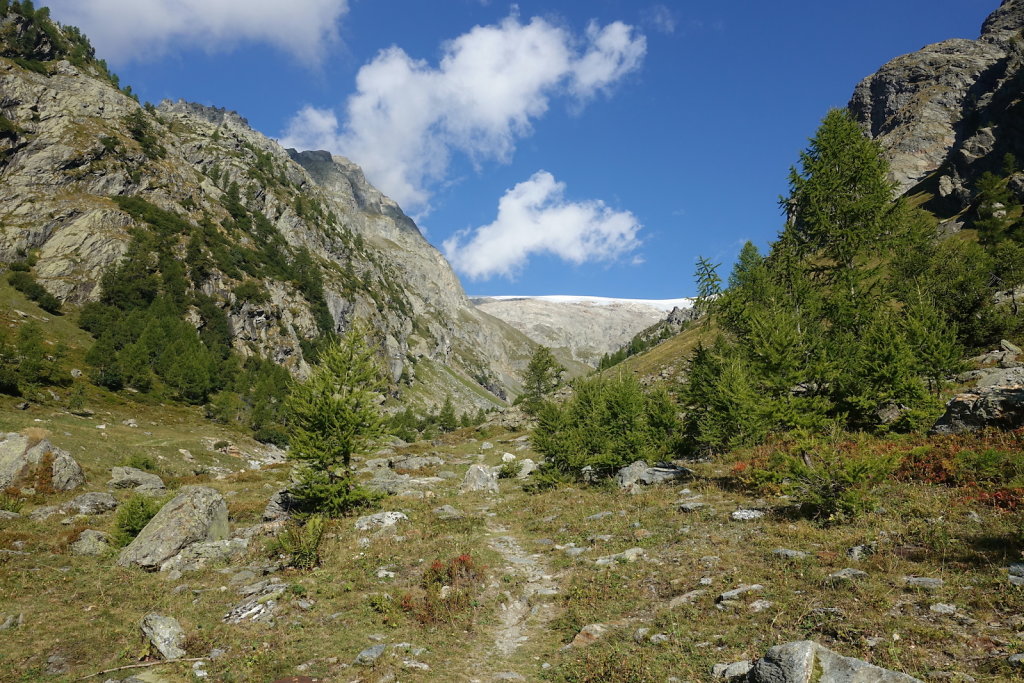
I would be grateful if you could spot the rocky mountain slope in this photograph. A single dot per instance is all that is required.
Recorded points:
(588, 327)
(952, 110)
(72, 146)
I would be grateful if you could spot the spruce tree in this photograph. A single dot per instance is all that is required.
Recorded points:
(332, 415)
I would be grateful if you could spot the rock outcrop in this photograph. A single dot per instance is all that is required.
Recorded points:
(196, 515)
(996, 407)
(948, 110)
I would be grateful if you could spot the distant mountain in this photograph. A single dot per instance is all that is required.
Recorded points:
(588, 327)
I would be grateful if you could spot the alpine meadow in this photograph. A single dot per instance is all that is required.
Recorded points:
(252, 427)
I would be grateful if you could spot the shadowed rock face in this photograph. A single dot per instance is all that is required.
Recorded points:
(947, 106)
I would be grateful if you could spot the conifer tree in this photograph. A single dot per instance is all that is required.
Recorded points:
(332, 415)
(446, 419)
(543, 375)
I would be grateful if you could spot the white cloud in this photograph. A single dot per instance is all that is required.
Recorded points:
(407, 117)
(534, 217)
(660, 18)
(127, 30)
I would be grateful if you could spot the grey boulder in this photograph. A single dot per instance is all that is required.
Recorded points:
(132, 478)
(94, 503)
(805, 661)
(999, 407)
(165, 634)
(19, 457)
(196, 515)
(642, 474)
(480, 478)
(90, 542)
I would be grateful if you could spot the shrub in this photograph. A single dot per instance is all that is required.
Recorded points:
(509, 470)
(140, 462)
(835, 486)
(132, 517)
(10, 502)
(27, 285)
(301, 543)
(445, 591)
(608, 423)
(272, 434)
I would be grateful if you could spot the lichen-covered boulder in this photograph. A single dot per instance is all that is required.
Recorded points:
(998, 407)
(132, 478)
(197, 514)
(165, 634)
(20, 457)
(804, 661)
(480, 478)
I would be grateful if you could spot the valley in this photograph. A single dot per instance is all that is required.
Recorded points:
(252, 428)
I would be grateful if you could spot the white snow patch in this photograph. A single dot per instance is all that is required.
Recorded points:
(665, 305)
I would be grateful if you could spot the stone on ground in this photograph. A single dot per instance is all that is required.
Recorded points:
(805, 660)
(480, 478)
(94, 503)
(90, 542)
(380, 520)
(165, 634)
(197, 514)
(19, 457)
(641, 474)
(133, 478)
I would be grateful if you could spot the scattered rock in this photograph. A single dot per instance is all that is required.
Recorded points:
(165, 634)
(95, 503)
(380, 520)
(195, 515)
(91, 542)
(739, 591)
(19, 457)
(9, 621)
(43, 512)
(600, 515)
(589, 634)
(133, 478)
(943, 608)
(692, 507)
(631, 555)
(508, 457)
(448, 512)
(7, 514)
(859, 552)
(260, 604)
(925, 582)
(278, 507)
(641, 474)
(760, 605)
(805, 660)
(480, 478)
(847, 574)
(686, 598)
(737, 671)
(742, 515)
(787, 554)
(370, 655)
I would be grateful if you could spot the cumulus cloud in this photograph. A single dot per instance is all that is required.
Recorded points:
(534, 217)
(407, 117)
(126, 30)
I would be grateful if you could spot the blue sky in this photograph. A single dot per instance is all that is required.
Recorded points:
(561, 147)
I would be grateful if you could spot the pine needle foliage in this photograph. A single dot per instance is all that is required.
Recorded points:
(334, 414)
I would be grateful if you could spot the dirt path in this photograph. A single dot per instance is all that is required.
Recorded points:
(524, 612)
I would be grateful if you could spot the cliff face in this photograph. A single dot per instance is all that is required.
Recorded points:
(71, 144)
(950, 111)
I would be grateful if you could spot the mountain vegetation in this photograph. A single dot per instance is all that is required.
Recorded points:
(239, 388)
